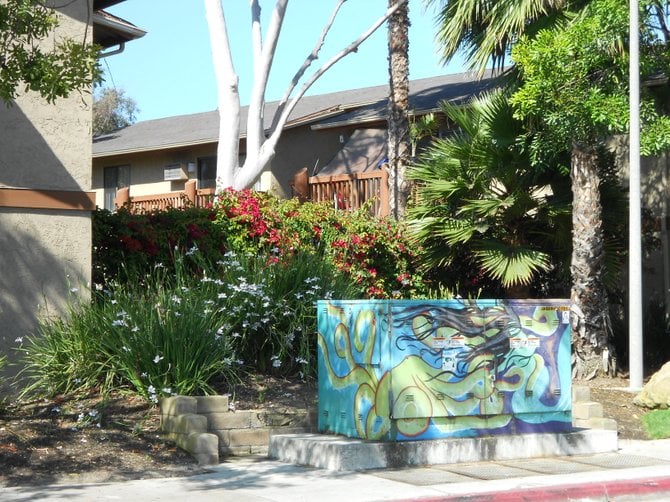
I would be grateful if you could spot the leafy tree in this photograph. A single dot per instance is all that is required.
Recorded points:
(483, 209)
(574, 94)
(112, 110)
(52, 69)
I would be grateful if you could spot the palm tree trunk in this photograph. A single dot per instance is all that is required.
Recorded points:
(593, 352)
(398, 107)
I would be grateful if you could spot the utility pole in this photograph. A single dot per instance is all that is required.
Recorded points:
(636, 359)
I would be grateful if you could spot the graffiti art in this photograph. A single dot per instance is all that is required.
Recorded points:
(408, 369)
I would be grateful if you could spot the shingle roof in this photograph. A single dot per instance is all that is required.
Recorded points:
(322, 111)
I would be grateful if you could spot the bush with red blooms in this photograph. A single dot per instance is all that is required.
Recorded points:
(374, 253)
(129, 246)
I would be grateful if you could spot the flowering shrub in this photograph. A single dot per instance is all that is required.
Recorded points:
(176, 332)
(374, 253)
(185, 297)
(135, 243)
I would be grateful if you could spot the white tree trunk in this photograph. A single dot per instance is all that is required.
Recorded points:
(260, 150)
(228, 155)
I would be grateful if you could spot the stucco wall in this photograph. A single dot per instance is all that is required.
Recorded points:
(44, 252)
(654, 178)
(146, 170)
(297, 148)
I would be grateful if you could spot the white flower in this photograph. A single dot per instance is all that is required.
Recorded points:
(158, 359)
(222, 296)
(135, 329)
(276, 363)
(167, 390)
(19, 339)
(119, 322)
(74, 290)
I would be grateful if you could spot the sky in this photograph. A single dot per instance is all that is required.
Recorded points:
(169, 71)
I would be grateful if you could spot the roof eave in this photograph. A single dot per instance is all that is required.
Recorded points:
(171, 146)
(368, 120)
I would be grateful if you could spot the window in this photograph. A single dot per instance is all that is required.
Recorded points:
(115, 177)
(207, 172)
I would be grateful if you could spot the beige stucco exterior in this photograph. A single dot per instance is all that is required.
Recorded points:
(45, 254)
(298, 147)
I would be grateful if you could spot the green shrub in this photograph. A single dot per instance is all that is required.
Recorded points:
(177, 332)
(156, 337)
(271, 308)
(127, 246)
(373, 253)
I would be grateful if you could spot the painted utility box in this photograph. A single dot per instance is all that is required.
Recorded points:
(398, 370)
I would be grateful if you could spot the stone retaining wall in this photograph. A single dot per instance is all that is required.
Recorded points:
(206, 427)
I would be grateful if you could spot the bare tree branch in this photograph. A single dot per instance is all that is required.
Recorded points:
(314, 55)
(352, 47)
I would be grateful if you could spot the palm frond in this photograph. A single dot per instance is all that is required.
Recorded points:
(511, 265)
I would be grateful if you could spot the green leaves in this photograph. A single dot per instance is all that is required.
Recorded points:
(574, 80)
(482, 208)
(52, 69)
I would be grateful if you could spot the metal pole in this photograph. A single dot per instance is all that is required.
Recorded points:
(636, 364)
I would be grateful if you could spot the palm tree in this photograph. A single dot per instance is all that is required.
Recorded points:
(487, 30)
(482, 206)
(398, 107)
(484, 30)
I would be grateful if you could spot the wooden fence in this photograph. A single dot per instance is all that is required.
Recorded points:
(159, 202)
(346, 191)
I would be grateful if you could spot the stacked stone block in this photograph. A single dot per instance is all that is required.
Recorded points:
(587, 414)
(206, 427)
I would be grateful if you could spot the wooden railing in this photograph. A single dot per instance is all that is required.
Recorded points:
(148, 203)
(346, 191)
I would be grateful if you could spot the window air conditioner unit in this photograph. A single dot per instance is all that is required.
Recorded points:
(175, 172)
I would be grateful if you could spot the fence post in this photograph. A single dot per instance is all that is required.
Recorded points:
(122, 197)
(300, 185)
(384, 206)
(189, 189)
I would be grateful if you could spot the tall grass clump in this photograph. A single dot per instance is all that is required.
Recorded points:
(157, 336)
(186, 328)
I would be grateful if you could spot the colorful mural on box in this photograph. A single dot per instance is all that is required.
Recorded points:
(401, 369)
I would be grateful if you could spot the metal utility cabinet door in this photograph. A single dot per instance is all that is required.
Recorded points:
(417, 369)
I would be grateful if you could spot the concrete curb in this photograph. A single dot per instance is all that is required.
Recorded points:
(583, 491)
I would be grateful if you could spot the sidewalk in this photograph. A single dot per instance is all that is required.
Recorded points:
(640, 470)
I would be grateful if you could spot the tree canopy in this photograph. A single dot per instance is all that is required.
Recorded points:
(574, 80)
(112, 110)
(53, 70)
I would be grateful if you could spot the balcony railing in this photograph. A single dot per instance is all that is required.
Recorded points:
(346, 191)
(160, 202)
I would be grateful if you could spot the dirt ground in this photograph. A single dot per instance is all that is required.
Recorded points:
(65, 440)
